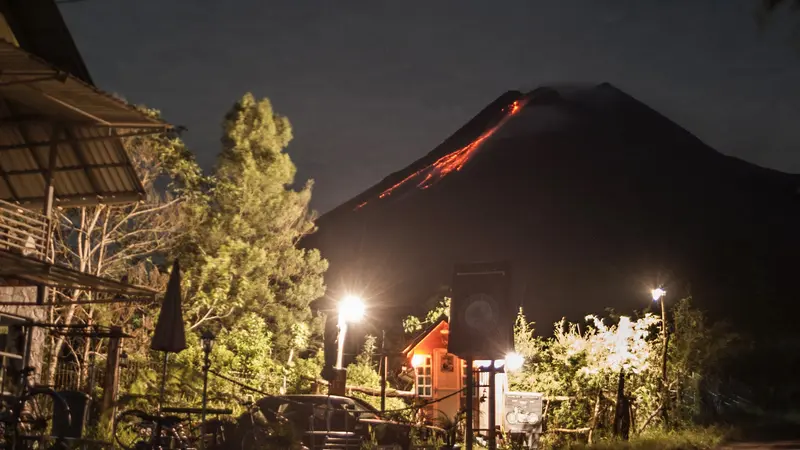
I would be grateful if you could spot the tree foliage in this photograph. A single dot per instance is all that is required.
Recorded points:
(363, 373)
(243, 257)
(245, 278)
(579, 368)
(412, 324)
(236, 233)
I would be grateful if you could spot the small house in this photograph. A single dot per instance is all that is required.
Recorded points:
(442, 375)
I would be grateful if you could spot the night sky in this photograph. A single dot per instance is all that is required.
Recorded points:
(371, 86)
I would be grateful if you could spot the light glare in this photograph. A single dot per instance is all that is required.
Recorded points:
(514, 361)
(351, 309)
(417, 360)
(658, 293)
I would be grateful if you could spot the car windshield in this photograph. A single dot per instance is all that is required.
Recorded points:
(365, 410)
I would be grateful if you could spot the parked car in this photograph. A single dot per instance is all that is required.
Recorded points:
(324, 421)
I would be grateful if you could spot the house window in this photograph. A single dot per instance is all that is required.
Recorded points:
(475, 381)
(424, 377)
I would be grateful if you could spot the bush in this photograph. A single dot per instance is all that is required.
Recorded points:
(362, 373)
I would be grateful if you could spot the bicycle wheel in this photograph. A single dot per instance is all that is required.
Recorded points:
(35, 425)
(132, 428)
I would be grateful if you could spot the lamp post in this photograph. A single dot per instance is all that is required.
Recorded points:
(207, 339)
(351, 309)
(658, 295)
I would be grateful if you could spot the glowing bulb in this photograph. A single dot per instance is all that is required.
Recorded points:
(658, 293)
(351, 309)
(417, 360)
(514, 361)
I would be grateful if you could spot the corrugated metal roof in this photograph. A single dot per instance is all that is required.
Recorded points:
(91, 164)
(63, 95)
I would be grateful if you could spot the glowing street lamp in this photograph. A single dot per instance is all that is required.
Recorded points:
(351, 309)
(659, 294)
(514, 362)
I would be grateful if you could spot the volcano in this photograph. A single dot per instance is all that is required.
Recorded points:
(593, 197)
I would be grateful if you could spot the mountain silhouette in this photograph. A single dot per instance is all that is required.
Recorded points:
(593, 197)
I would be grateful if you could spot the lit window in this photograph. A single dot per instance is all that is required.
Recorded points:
(424, 377)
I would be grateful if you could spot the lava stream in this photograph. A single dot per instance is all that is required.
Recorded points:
(452, 161)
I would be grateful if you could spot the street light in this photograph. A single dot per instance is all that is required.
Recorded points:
(660, 294)
(514, 362)
(351, 309)
(207, 340)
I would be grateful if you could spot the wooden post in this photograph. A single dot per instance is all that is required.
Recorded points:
(41, 291)
(339, 385)
(470, 396)
(49, 190)
(664, 384)
(620, 410)
(111, 381)
(492, 407)
(384, 369)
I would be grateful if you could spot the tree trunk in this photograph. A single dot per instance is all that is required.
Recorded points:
(621, 409)
(86, 359)
(595, 414)
(51, 366)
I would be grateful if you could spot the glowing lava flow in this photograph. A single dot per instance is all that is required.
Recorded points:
(451, 162)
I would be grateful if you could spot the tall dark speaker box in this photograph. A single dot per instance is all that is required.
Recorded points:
(481, 314)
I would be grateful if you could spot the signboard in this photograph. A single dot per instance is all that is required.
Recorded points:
(523, 412)
(481, 315)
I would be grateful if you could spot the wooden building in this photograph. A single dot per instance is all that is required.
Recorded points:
(442, 375)
(60, 147)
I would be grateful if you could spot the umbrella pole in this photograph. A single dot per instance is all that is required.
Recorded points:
(163, 382)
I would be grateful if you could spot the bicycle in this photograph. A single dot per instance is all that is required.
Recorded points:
(29, 414)
(262, 429)
(135, 429)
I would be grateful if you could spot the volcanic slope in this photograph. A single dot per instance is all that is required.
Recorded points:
(592, 196)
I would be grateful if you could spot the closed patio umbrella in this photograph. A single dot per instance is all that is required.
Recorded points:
(170, 335)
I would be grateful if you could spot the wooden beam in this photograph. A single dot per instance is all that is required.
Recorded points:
(33, 80)
(68, 168)
(49, 190)
(81, 139)
(38, 119)
(52, 159)
(72, 107)
(15, 119)
(11, 189)
(89, 199)
(81, 302)
(98, 120)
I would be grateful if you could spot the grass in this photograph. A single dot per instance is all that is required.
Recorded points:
(691, 439)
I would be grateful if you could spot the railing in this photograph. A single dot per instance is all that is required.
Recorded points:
(67, 377)
(23, 231)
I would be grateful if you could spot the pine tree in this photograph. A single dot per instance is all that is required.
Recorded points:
(245, 257)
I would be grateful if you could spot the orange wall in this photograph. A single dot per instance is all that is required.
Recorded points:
(432, 340)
